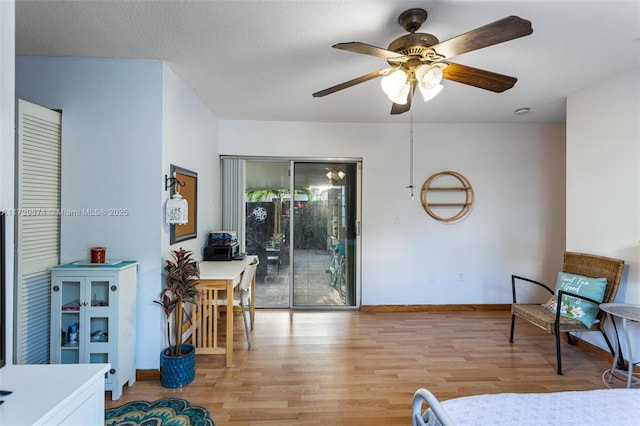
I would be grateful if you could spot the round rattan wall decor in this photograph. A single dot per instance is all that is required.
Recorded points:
(442, 191)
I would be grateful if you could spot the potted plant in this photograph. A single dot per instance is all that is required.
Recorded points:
(277, 238)
(177, 362)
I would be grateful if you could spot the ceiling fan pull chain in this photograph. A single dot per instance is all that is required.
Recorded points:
(411, 153)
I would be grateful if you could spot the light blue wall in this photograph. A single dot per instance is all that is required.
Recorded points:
(111, 151)
(111, 156)
(7, 137)
(123, 123)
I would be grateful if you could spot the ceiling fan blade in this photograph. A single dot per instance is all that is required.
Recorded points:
(505, 29)
(367, 49)
(478, 78)
(398, 108)
(350, 83)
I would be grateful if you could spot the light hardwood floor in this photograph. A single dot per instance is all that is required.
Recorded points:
(357, 368)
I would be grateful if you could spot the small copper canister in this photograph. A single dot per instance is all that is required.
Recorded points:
(98, 254)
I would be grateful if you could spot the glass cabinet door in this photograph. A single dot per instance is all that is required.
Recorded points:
(69, 290)
(85, 305)
(97, 310)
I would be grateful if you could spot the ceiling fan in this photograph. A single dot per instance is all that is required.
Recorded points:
(420, 60)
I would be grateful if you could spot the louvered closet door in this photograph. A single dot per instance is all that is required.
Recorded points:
(38, 227)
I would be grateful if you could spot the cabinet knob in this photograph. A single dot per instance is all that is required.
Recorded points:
(56, 288)
(114, 288)
(112, 371)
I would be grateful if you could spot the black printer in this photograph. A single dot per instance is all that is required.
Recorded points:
(221, 245)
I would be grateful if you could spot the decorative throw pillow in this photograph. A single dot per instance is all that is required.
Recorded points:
(574, 307)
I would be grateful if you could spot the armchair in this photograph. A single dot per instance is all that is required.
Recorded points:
(586, 265)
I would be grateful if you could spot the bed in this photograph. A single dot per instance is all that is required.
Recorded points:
(619, 407)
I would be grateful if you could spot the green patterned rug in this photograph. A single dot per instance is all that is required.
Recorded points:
(166, 412)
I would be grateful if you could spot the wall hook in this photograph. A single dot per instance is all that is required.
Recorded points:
(172, 181)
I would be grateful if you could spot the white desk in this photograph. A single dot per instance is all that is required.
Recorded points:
(630, 317)
(53, 394)
(216, 277)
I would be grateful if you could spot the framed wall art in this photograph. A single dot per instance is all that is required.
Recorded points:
(188, 188)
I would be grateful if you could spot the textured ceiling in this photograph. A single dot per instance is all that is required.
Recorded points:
(262, 60)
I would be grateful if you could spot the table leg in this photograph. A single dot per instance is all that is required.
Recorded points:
(618, 359)
(629, 352)
(616, 355)
(252, 303)
(229, 322)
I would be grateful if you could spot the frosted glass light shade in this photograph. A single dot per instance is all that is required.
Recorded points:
(402, 96)
(393, 83)
(176, 210)
(428, 94)
(428, 77)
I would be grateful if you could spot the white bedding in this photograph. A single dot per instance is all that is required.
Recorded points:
(616, 407)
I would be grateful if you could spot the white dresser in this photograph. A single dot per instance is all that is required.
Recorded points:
(50, 394)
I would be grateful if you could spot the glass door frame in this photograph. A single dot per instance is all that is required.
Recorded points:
(358, 214)
(356, 237)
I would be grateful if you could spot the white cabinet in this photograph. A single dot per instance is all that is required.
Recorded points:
(93, 319)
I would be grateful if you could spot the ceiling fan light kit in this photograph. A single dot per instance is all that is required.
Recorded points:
(421, 60)
(397, 84)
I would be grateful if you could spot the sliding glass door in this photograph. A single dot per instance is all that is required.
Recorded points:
(302, 223)
(267, 225)
(324, 234)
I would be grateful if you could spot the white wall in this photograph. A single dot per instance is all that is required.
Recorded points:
(516, 225)
(189, 141)
(7, 135)
(603, 178)
(117, 117)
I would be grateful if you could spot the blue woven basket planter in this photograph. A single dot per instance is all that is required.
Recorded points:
(178, 371)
